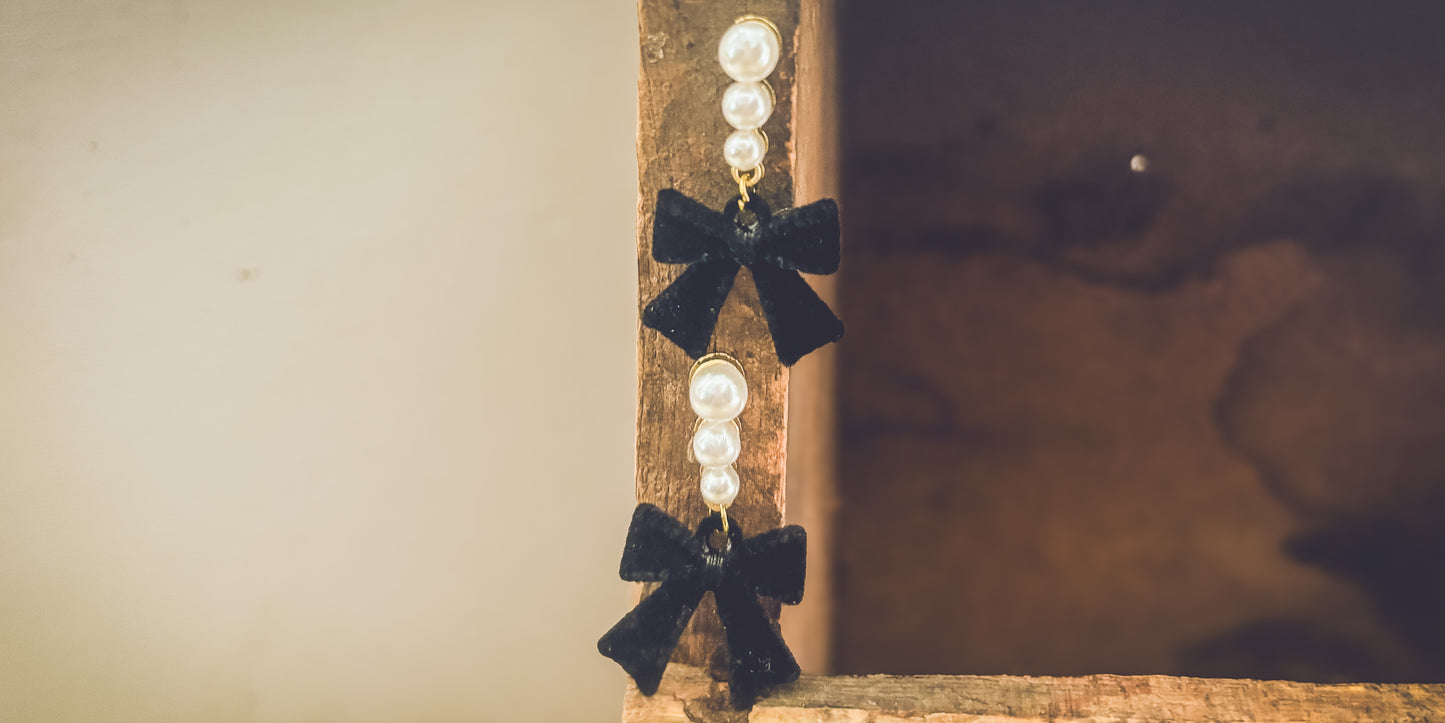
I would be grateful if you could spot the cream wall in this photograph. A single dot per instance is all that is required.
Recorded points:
(316, 358)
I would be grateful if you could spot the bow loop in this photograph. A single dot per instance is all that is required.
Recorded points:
(658, 547)
(687, 232)
(775, 563)
(805, 239)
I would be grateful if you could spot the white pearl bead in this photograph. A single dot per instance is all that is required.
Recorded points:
(744, 150)
(716, 444)
(718, 391)
(719, 486)
(746, 106)
(749, 50)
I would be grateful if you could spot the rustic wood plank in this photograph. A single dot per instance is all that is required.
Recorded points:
(688, 695)
(679, 145)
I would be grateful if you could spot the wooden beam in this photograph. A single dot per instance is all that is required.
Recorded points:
(689, 696)
(679, 145)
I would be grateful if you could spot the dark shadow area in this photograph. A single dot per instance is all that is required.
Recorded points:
(1145, 365)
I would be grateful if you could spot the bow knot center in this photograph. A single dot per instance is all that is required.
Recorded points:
(745, 246)
(714, 569)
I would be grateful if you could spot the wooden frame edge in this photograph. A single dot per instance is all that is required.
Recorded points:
(688, 695)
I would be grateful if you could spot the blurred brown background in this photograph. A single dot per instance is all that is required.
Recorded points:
(1146, 359)
(316, 358)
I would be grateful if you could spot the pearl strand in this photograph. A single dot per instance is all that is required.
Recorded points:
(718, 392)
(748, 52)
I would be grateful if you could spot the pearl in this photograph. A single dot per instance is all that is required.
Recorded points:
(717, 391)
(744, 150)
(716, 444)
(749, 50)
(719, 486)
(746, 106)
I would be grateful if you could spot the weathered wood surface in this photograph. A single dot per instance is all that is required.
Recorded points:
(679, 145)
(812, 409)
(690, 696)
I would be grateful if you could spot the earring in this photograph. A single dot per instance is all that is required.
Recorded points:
(716, 245)
(715, 558)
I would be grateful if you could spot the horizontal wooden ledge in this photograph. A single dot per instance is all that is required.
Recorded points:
(688, 695)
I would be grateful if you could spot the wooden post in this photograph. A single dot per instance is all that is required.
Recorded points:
(679, 145)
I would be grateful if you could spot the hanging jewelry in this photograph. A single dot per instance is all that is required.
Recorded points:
(774, 247)
(716, 557)
(735, 569)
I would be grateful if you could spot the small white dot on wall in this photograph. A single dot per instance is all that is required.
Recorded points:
(1139, 163)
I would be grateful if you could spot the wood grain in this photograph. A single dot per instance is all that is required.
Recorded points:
(688, 695)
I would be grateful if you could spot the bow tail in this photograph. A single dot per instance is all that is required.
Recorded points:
(643, 640)
(757, 656)
(686, 311)
(799, 321)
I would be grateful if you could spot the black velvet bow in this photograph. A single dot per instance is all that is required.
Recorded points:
(661, 549)
(774, 248)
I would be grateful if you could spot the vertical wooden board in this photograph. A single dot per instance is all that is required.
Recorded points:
(679, 146)
(812, 386)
